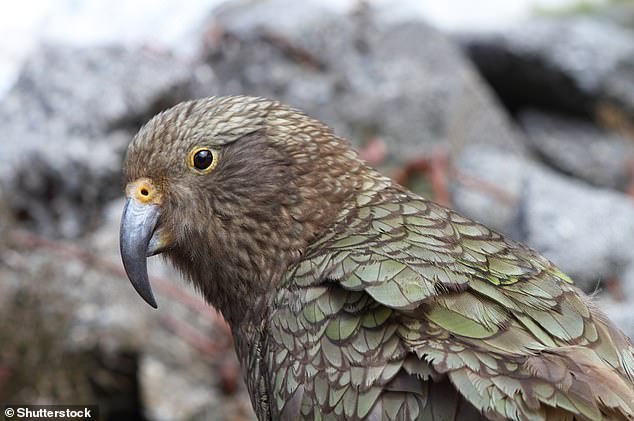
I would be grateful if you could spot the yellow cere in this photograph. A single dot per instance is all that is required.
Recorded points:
(143, 190)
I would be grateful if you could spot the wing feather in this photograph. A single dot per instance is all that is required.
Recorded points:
(412, 311)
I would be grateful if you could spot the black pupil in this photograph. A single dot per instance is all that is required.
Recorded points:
(203, 159)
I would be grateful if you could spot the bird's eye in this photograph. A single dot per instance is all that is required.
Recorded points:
(203, 159)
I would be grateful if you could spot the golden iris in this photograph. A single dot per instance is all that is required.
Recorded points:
(203, 159)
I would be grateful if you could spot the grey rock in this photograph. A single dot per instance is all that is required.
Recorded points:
(586, 231)
(580, 148)
(488, 188)
(68, 323)
(404, 82)
(573, 64)
(165, 356)
(183, 399)
(70, 90)
(621, 13)
(57, 186)
(65, 126)
(628, 283)
(619, 312)
(76, 301)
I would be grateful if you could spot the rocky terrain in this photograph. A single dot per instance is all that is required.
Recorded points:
(529, 130)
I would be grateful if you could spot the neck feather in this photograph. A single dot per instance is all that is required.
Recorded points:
(262, 224)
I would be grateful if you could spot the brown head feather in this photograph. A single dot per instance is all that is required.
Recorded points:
(281, 178)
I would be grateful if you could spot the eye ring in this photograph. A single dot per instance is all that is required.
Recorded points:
(202, 160)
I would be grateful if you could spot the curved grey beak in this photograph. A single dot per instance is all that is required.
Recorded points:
(138, 223)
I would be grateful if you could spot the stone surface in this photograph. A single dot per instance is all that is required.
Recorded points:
(403, 82)
(169, 354)
(580, 148)
(72, 90)
(82, 314)
(573, 65)
(586, 231)
(70, 116)
(66, 123)
(619, 311)
(68, 334)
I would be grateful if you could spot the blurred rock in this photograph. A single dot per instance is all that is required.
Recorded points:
(586, 231)
(167, 356)
(89, 91)
(403, 82)
(620, 12)
(185, 398)
(488, 189)
(87, 328)
(572, 65)
(580, 148)
(59, 343)
(618, 311)
(57, 186)
(66, 123)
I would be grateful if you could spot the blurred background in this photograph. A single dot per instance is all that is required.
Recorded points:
(519, 114)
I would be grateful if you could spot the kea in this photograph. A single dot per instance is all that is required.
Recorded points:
(350, 297)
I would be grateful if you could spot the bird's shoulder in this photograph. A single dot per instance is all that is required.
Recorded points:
(392, 236)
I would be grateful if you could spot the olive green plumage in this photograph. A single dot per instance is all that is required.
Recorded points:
(375, 303)
(404, 291)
